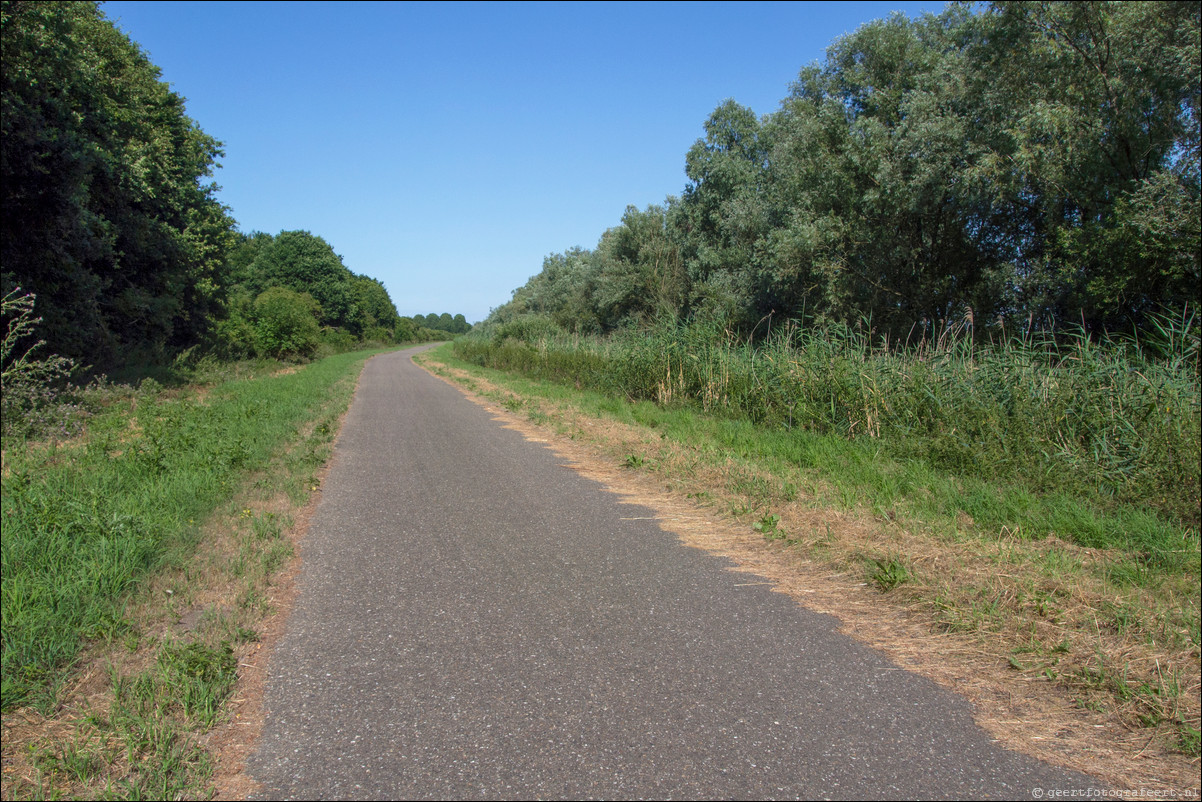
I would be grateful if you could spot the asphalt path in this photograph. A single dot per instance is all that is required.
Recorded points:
(476, 620)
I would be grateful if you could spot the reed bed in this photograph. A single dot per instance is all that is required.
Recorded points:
(1116, 420)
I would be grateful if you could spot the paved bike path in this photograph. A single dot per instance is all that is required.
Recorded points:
(476, 620)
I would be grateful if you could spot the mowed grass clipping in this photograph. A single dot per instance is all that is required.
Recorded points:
(85, 521)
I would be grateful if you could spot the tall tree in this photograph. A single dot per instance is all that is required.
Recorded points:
(873, 150)
(1096, 105)
(723, 216)
(374, 306)
(106, 216)
(304, 262)
(638, 272)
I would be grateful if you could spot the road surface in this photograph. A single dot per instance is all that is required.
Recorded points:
(476, 620)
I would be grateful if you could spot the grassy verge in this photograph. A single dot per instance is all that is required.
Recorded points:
(137, 565)
(1053, 590)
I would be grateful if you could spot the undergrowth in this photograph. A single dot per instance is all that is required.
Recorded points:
(137, 561)
(86, 520)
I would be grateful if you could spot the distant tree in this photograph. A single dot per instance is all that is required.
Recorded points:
(406, 330)
(374, 307)
(304, 262)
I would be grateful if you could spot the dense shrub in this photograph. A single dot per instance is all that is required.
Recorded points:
(286, 323)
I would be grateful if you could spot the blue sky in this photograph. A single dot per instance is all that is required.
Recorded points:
(445, 149)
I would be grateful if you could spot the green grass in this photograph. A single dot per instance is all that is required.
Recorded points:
(860, 473)
(889, 573)
(86, 522)
(145, 747)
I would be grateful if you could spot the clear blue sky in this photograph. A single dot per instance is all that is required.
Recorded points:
(445, 149)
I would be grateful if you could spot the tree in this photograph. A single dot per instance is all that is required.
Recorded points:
(105, 213)
(1031, 161)
(304, 262)
(374, 307)
(1096, 105)
(871, 163)
(638, 273)
(722, 215)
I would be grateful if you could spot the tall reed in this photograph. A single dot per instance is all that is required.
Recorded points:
(1119, 420)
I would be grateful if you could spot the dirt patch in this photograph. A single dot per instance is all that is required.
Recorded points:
(821, 564)
(233, 742)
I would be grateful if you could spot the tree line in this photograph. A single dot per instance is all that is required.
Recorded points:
(444, 322)
(110, 217)
(1020, 164)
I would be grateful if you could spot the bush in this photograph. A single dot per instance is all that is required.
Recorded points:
(378, 334)
(286, 323)
(337, 341)
(234, 338)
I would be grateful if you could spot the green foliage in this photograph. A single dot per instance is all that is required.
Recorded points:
(769, 527)
(1189, 740)
(105, 216)
(338, 340)
(1012, 165)
(1094, 113)
(1115, 423)
(304, 263)
(200, 677)
(375, 309)
(888, 574)
(108, 219)
(234, 337)
(29, 401)
(348, 307)
(444, 323)
(286, 323)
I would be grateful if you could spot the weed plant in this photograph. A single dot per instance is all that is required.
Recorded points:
(1116, 421)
